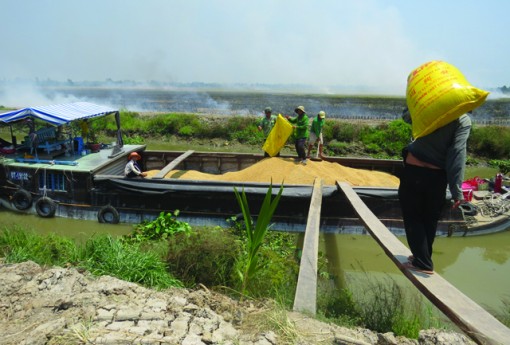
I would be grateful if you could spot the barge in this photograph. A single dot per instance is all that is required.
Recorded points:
(92, 186)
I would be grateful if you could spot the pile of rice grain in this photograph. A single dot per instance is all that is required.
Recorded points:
(287, 170)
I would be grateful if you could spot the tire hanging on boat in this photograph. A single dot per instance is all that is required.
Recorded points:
(468, 209)
(108, 214)
(45, 207)
(22, 199)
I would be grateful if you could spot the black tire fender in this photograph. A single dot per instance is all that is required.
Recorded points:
(22, 199)
(108, 214)
(468, 209)
(45, 207)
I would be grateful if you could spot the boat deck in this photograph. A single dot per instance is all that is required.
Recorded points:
(76, 163)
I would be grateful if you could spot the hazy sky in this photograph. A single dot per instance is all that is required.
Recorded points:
(372, 44)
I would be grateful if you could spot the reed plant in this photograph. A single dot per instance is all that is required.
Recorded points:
(254, 233)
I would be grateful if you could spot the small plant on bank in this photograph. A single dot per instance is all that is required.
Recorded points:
(134, 140)
(255, 233)
(502, 165)
(164, 226)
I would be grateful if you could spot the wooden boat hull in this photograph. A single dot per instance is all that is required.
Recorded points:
(94, 189)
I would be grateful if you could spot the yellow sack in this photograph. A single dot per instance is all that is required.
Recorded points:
(437, 93)
(278, 136)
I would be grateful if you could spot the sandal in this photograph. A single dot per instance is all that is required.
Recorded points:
(411, 267)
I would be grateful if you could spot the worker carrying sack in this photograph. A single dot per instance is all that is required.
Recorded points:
(278, 136)
(437, 93)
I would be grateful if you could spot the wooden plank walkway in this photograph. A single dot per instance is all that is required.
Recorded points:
(305, 299)
(170, 166)
(477, 323)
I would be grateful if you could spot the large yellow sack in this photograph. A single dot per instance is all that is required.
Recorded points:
(278, 136)
(437, 93)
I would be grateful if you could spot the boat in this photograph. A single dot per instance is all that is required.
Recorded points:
(65, 179)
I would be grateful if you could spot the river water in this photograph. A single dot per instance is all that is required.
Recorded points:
(479, 266)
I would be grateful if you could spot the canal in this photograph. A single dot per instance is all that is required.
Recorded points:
(479, 266)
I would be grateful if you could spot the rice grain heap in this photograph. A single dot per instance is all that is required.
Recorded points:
(286, 170)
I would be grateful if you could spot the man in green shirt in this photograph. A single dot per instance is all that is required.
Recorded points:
(266, 125)
(316, 134)
(300, 124)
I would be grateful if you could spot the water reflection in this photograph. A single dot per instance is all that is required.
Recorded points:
(73, 228)
(479, 266)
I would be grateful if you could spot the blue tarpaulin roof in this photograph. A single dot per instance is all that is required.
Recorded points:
(59, 114)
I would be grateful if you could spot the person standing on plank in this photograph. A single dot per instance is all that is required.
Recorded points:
(431, 163)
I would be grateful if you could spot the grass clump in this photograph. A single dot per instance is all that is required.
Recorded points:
(503, 314)
(274, 317)
(384, 306)
(490, 141)
(212, 256)
(19, 245)
(101, 255)
(105, 255)
(205, 256)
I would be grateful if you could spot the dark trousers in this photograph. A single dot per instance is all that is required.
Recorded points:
(422, 194)
(300, 148)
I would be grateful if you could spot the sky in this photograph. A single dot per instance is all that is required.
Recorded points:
(358, 46)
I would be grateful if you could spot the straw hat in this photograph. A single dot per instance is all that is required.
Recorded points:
(300, 108)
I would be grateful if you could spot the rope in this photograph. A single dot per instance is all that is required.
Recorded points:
(494, 205)
(44, 187)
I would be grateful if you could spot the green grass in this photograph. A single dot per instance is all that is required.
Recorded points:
(101, 255)
(105, 255)
(18, 245)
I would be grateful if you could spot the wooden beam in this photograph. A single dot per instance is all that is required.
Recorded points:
(170, 166)
(305, 299)
(477, 323)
